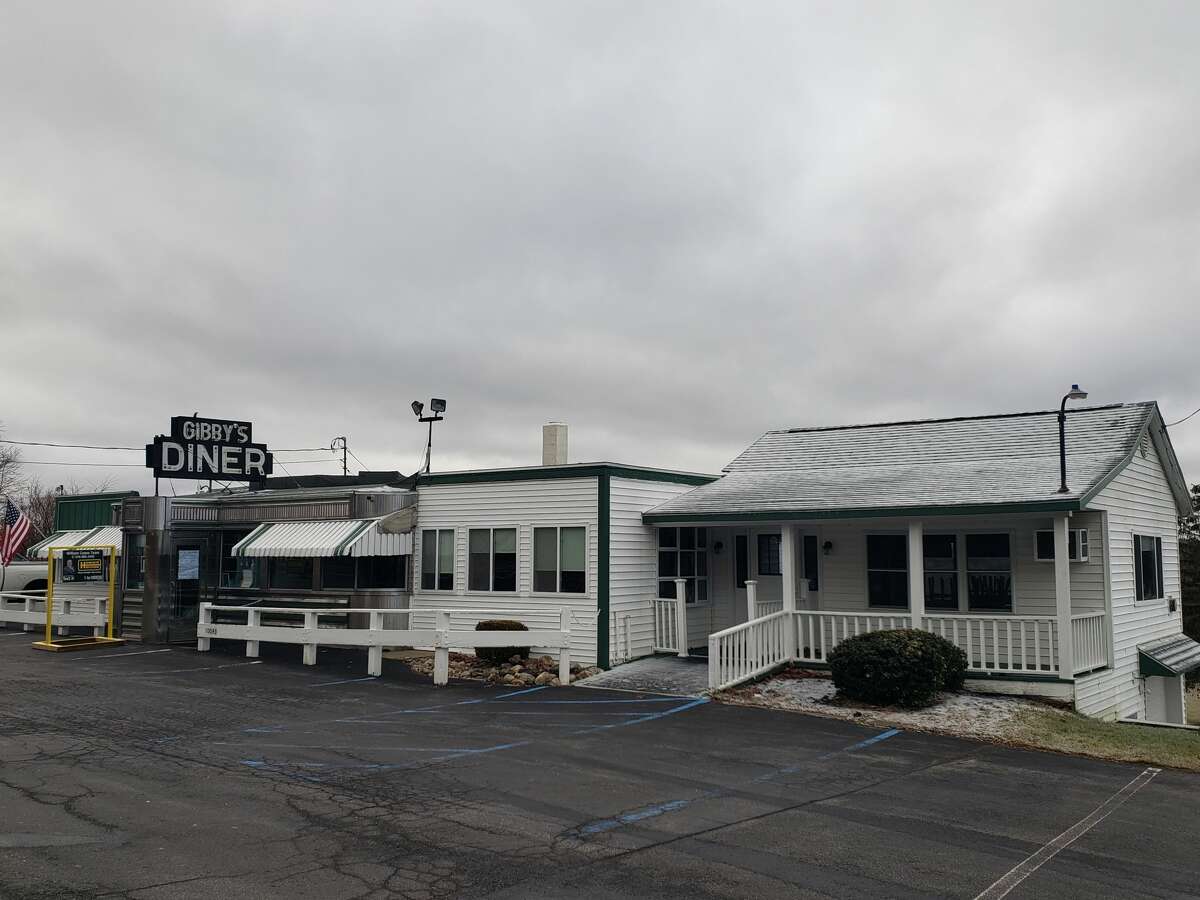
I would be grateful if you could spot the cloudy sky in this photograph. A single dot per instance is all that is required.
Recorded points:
(672, 225)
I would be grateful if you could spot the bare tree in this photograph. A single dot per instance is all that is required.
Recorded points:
(12, 476)
(38, 503)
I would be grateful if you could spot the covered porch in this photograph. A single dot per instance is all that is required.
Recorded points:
(1023, 595)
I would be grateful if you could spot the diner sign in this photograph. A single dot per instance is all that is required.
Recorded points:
(220, 449)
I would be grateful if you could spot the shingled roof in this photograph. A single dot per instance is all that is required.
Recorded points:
(980, 463)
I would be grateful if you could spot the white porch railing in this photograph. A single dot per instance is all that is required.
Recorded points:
(767, 607)
(993, 644)
(748, 650)
(307, 632)
(1002, 643)
(820, 632)
(29, 609)
(1090, 642)
(666, 625)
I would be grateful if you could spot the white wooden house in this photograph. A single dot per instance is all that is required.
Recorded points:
(956, 526)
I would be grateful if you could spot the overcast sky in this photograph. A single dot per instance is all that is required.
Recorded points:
(672, 225)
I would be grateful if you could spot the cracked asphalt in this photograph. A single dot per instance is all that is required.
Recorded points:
(148, 773)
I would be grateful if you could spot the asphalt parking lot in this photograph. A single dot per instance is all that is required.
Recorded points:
(142, 772)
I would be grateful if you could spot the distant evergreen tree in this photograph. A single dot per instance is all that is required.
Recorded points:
(1189, 566)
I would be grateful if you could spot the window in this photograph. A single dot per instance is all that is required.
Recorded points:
(1077, 545)
(437, 559)
(492, 559)
(768, 555)
(683, 553)
(887, 570)
(364, 572)
(135, 562)
(811, 557)
(989, 572)
(381, 572)
(337, 573)
(560, 560)
(941, 571)
(239, 571)
(1148, 566)
(741, 560)
(291, 573)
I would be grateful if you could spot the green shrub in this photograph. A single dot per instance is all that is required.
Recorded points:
(499, 655)
(904, 667)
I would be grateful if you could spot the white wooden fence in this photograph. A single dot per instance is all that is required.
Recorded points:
(28, 608)
(303, 626)
(748, 650)
(1026, 644)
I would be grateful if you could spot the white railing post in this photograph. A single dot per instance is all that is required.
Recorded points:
(441, 649)
(714, 663)
(916, 572)
(375, 650)
(681, 616)
(202, 641)
(1062, 597)
(29, 608)
(751, 600)
(564, 650)
(310, 649)
(787, 566)
(253, 620)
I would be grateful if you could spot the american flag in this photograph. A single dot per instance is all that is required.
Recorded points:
(16, 529)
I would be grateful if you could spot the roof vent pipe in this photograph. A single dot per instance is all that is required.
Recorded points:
(554, 444)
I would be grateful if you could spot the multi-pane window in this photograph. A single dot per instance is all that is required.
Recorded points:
(1077, 545)
(941, 571)
(291, 573)
(560, 560)
(492, 559)
(887, 570)
(437, 559)
(769, 555)
(683, 553)
(989, 572)
(364, 572)
(1148, 567)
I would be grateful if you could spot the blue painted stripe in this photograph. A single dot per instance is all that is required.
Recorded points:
(540, 687)
(883, 736)
(344, 681)
(649, 717)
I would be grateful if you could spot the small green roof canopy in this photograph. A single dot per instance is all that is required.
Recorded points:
(1169, 656)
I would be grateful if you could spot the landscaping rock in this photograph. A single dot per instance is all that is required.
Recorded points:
(544, 678)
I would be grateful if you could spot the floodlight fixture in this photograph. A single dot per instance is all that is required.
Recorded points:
(437, 406)
(440, 405)
(1075, 393)
(418, 407)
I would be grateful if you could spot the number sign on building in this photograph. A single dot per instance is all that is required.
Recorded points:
(220, 449)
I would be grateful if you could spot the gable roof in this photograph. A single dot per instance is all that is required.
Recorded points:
(974, 464)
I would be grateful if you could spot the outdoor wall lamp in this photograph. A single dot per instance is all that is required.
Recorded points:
(717, 548)
(1073, 394)
(827, 547)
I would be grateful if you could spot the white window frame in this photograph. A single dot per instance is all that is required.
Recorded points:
(437, 560)
(587, 555)
(960, 563)
(1159, 568)
(964, 593)
(1082, 548)
(491, 530)
(706, 577)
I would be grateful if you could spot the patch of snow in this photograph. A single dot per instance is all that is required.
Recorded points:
(964, 714)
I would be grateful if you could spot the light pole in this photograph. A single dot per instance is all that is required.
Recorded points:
(1073, 394)
(437, 407)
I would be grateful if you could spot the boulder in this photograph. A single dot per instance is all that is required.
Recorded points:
(544, 678)
(525, 678)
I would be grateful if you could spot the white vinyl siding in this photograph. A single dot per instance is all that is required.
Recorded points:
(633, 572)
(1137, 501)
(524, 505)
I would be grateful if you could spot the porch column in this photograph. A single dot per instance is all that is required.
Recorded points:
(916, 573)
(787, 569)
(681, 628)
(1062, 597)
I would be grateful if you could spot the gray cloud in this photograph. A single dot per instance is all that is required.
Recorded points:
(673, 225)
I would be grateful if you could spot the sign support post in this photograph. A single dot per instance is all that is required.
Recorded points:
(81, 564)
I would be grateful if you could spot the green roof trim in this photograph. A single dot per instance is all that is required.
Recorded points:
(881, 512)
(543, 473)
(249, 539)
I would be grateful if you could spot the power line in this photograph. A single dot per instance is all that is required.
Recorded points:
(1184, 419)
(357, 460)
(98, 465)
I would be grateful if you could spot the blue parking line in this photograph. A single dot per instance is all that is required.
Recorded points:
(343, 681)
(658, 809)
(540, 687)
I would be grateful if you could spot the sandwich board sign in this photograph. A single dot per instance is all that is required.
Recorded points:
(83, 564)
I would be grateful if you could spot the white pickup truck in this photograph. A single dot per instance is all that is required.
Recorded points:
(23, 575)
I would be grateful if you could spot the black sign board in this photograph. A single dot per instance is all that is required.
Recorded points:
(220, 449)
(84, 564)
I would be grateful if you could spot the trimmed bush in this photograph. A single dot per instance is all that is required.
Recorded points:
(905, 667)
(498, 655)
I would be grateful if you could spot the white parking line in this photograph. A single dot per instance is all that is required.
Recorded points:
(116, 655)
(1002, 886)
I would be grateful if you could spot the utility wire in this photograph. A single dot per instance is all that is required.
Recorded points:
(46, 462)
(1184, 419)
(96, 447)
(357, 460)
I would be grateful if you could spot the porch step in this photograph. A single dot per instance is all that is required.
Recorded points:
(655, 675)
